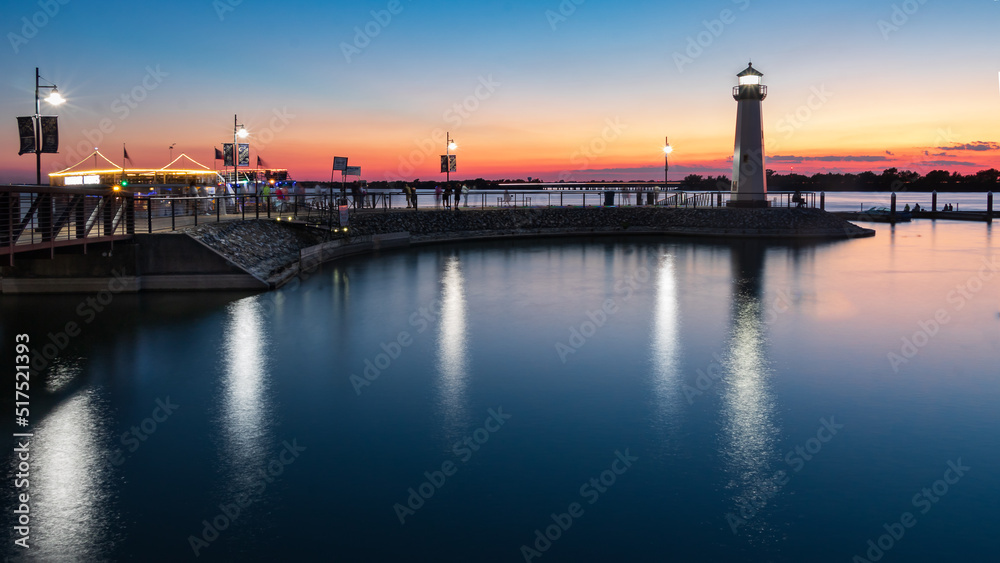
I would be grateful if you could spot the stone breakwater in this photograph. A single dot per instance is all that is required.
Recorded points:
(262, 247)
(724, 222)
(271, 250)
(259, 254)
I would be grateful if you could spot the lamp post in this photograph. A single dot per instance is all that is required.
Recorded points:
(239, 132)
(53, 98)
(448, 148)
(667, 149)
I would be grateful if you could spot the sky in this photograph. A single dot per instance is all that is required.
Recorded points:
(551, 89)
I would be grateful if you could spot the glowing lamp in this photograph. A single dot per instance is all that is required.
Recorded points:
(55, 98)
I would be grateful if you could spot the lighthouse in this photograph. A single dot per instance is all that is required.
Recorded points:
(749, 183)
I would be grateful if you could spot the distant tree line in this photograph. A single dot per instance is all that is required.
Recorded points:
(890, 180)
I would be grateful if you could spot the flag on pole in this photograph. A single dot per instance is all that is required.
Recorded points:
(218, 155)
(127, 158)
(260, 162)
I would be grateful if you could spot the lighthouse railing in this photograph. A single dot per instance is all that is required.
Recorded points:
(758, 91)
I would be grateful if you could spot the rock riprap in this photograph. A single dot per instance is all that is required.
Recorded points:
(263, 248)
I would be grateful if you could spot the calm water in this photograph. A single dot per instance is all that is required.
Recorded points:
(731, 402)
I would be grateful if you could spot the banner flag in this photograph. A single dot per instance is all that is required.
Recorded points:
(227, 150)
(244, 154)
(50, 133)
(26, 131)
(448, 163)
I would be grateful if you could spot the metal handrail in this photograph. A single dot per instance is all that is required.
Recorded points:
(44, 217)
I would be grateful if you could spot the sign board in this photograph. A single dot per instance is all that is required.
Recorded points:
(353, 171)
(343, 215)
(82, 180)
(340, 163)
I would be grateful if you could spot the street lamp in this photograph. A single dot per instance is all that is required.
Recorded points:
(53, 98)
(667, 149)
(239, 132)
(450, 147)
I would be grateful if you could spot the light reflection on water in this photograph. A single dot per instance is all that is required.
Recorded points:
(665, 339)
(62, 373)
(71, 483)
(246, 420)
(453, 357)
(749, 431)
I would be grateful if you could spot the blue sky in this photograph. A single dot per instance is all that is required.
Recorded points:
(560, 73)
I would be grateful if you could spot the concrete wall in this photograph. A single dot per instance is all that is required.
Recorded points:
(150, 262)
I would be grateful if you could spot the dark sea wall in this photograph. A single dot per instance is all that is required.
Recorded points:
(269, 249)
(778, 222)
(257, 254)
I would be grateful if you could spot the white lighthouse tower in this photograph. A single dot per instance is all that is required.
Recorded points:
(749, 183)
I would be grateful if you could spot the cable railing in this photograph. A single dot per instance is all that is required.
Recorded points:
(44, 217)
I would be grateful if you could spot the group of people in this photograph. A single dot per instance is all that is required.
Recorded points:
(411, 196)
(196, 205)
(916, 207)
(447, 193)
(359, 196)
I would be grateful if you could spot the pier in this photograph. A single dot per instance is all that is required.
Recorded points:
(78, 240)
